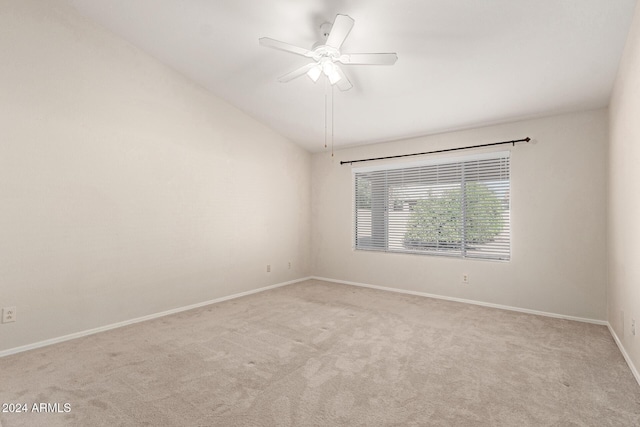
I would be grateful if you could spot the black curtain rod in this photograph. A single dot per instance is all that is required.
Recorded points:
(527, 139)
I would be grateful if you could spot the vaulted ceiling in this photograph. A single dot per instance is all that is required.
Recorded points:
(462, 63)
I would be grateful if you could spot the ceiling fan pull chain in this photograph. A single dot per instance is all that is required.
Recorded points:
(331, 120)
(325, 114)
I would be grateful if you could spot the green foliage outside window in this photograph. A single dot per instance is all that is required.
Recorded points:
(364, 193)
(438, 221)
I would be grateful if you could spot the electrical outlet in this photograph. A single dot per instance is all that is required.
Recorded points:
(633, 327)
(289, 265)
(268, 268)
(8, 314)
(465, 278)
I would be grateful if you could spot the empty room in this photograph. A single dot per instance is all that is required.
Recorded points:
(327, 213)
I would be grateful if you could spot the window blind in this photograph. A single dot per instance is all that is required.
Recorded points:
(455, 208)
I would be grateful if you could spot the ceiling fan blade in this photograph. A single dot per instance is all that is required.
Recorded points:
(344, 83)
(340, 30)
(369, 58)
(277, 44)
(296, 73)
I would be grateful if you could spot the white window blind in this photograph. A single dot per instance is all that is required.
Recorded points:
(453, 208)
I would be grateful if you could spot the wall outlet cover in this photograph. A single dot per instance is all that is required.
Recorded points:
(8, 314)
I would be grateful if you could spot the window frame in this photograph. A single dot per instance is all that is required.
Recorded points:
(462, 252)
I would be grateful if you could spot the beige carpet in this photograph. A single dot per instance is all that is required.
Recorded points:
(324, 354)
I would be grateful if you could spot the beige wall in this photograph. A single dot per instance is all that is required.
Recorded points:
(558, 199)
(125, 189)
(623, 290)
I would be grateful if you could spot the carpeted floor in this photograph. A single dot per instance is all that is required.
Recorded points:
(324, 354)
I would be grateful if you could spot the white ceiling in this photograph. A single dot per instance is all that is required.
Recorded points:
(461, 63)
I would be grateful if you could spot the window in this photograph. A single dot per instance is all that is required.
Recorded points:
(455, 207)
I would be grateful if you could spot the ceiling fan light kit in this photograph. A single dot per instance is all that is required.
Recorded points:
(327, 55)
(314, 73)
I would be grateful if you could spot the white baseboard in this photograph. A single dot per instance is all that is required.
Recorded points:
(466, 301)
(141, 319)
(634, 371)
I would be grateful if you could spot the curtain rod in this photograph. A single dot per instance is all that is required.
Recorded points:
(527, 139)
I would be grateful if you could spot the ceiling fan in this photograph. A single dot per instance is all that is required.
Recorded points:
(327, 56)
